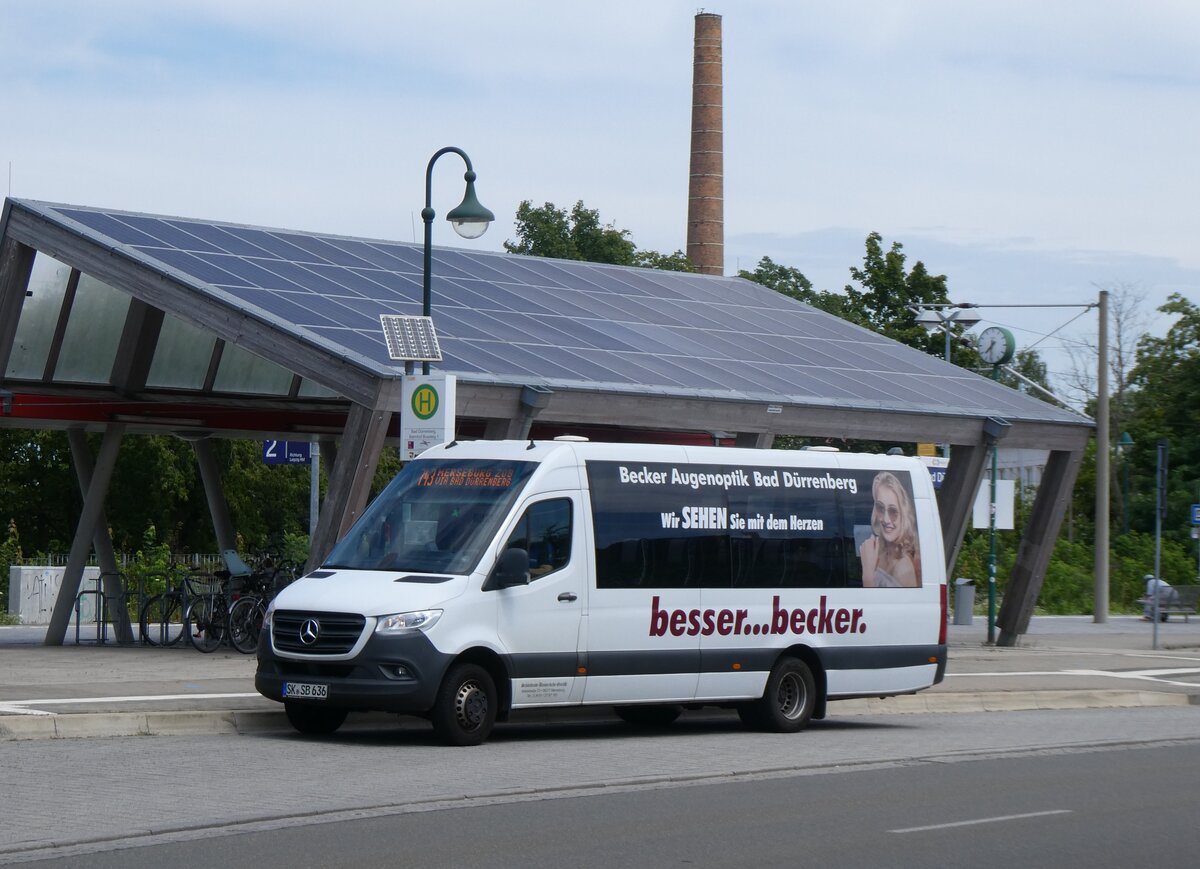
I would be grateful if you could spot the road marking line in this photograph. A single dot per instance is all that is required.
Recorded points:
(1145, 675)
(10, 709)
(1010, 673)
(994, 820)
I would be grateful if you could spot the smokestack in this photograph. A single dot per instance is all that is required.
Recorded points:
(706, 187)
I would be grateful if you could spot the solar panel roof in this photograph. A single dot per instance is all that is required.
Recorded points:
(506, 319)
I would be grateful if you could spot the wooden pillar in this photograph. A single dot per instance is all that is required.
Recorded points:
(956, 497)
(81, 546)
(1037, 544)
(214, 491)
(111, 586)
(351, 474)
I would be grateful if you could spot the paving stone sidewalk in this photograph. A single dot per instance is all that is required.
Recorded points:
(92, 689)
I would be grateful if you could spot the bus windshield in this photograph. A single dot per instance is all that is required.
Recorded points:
(436, 516)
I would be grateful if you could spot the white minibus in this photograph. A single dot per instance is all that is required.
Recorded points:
(496, 576)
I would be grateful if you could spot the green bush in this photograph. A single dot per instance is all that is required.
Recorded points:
(1070, 585)
(10, 554)
(152, 569)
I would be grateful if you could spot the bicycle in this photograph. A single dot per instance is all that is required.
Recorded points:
(161, 617)
(248, 612)
(206, 618)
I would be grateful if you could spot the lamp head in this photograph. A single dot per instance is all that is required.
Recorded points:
(469, 218)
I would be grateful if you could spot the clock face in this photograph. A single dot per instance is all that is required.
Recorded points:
(996, 345)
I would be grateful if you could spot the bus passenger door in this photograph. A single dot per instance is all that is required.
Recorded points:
(539, 623)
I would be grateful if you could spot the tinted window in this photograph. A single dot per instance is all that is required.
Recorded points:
(667, 526)
(544, 531)
(793, 539)
(651, 533)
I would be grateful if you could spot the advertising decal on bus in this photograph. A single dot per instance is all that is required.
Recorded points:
(664, 526)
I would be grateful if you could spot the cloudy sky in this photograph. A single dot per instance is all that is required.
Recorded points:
(1033, 152)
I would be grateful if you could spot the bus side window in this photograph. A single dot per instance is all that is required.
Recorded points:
(544, 531)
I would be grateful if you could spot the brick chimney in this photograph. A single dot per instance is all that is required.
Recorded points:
(706, 187)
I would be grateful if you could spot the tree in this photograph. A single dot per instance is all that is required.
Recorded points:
(1165, 405)
(38, 489)
(792, 283)
(550, 231)
(880, 302)
(664, 262)
(885, 292)
(1127, 322)
(1030, 366)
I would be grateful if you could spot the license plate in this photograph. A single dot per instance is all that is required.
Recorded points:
(305, 691)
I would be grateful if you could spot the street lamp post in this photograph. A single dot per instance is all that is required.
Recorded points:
(945, 317)
(469, 219)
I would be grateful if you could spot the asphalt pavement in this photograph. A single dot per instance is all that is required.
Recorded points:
(91, 689)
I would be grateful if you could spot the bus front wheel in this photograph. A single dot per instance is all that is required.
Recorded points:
(466, 705)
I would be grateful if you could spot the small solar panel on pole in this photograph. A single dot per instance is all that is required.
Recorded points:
(410, 339)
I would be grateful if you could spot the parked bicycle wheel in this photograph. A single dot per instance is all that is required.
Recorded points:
(245, 623)
(207, 620)
(161, 620)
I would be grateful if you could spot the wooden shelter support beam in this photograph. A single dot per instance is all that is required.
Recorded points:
(81, 546)
(214, 492)
(353, 471)
(110, 579)
(135, 352)
(956, 497)
(1037, 544)
(16, 265)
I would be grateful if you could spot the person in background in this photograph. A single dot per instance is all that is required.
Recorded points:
(1166, 595)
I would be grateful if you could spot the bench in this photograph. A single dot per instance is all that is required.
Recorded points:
(1182, 601)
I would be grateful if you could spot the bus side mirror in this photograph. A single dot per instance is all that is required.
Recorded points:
(512, 568)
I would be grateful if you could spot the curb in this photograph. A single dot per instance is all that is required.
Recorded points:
(116, 724)
(217, 722)
(1009, 701)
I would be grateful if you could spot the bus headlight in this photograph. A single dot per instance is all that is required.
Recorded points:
(400, 622)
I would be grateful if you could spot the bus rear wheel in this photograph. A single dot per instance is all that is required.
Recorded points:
(787, 703)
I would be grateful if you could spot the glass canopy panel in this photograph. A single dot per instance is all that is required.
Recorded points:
(311, 389)
(93, 333)
(242, 372)
(39, 315)
(181, 357)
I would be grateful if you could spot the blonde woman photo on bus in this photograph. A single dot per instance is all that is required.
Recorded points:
(891, 557)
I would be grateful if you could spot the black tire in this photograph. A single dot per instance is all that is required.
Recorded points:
(161, 620)
(207, 621)
(245, 624)
(465, 709)
(787, 703)
(649, 716)
(314, 720)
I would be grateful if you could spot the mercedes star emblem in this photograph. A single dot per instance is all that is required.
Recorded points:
(309, 631)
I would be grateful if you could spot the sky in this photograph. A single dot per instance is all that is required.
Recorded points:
(1035, 153)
